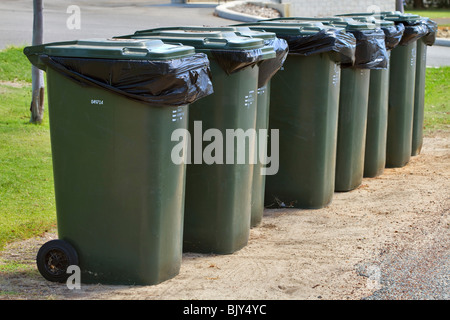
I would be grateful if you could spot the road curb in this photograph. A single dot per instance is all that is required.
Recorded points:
(444, 42)
(223, 12)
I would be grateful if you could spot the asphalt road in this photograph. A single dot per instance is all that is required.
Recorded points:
(438, 56)
(99, 19)
(103, 19)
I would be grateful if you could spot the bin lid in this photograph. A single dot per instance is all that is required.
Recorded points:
(348, 23)
(232, 51)
(311, 37)
(402, 17)
(201, 38)
(303, 20)
(396, 16)
(113, 49)
(239, 30)
(353, 25)
(288, 28)
(374, 19)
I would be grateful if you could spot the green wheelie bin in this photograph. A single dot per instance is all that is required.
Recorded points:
(219, 187)
(370, 54)
(113, 106)
(304, 107)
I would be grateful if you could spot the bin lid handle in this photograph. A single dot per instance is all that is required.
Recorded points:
(135, 51)
(215, 40)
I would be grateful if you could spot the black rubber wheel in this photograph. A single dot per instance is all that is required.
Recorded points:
(53, 259)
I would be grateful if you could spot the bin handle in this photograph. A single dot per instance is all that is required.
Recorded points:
(134, 51)
(215, 40)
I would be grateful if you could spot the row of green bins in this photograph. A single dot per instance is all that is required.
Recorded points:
(377, 111)
(218, 209)
(304, 106)
(370, 54)
(119, 197)
(406, 86)
(401, 95)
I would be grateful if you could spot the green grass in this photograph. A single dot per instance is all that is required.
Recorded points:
(437, 104)
(26, 181)
(432, 14)
(13, 266)
(27, 204)
(14, 65)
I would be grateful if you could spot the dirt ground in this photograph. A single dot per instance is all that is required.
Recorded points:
(331, 253)
(443, 32)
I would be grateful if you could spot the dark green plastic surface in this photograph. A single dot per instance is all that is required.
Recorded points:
(304, 108)
(348, 23)
(377, 118)
(402, 78)
(218, 196)
(304, 102)
(388, 15)
(114, 49)
(259, 179)
(218, 206)
(353, 111)
(353, 104)
(119, 197)
(405, 115)
(419, 98)
(263, 100)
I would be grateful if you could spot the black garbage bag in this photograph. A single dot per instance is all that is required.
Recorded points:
(337, 41)
(232, 61)
(268, 67)
(432, 27)
(413, 31)
(370, 50)
(172, 82)
(393, 35)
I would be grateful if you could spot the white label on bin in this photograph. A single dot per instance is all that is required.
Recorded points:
(177, 114)
(249, 99)
(262, 90)
(336, 75)
(413, 57)
(97, 102)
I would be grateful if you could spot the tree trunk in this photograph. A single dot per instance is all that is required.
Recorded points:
(37, 75)
(399, 6)
(418, 4)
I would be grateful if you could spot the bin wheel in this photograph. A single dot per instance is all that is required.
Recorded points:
(53, 259)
